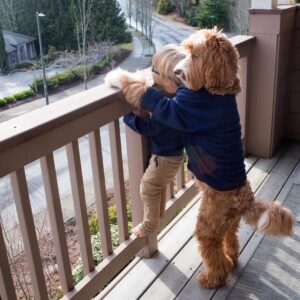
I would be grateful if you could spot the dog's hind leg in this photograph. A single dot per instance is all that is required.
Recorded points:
(213, 222)
(232, 242)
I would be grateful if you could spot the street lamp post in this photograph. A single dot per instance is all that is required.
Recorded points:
(38, 15)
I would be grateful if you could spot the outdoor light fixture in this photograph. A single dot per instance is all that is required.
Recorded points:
(38, 15)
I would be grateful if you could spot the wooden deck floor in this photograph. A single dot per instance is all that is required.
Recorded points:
(268, 267)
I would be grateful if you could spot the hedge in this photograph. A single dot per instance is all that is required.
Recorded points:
(2, 102)
(10, 99)
(69, 76)
(24, 94)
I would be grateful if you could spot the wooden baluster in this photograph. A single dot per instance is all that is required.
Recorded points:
(7, 289)
(100, 191)
(80, 206)
(118, 175)
(22, 201)
(57, 222)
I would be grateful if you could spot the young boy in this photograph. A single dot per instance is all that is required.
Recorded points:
(165, 143)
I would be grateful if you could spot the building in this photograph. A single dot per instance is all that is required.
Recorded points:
(18, 48)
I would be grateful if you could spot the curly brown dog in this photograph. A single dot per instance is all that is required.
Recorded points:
(210, 68)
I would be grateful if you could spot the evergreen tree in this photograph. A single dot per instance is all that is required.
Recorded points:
(2, 50)
(108, 22)
(58, 25)
(213, 13)
(164, 7)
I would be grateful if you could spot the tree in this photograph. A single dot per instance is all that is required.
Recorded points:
(8, 14)
(239, 14)
(2, 50)
(129, 10)
(164, 7)
(108, 22)
(82, 15)
(213, 13)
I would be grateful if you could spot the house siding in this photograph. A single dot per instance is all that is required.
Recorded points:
(294, 104)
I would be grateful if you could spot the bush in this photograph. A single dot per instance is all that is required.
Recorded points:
(112, 215)
(52, 82)
(23, 94)
(10, 99)
(213, 13)
(65, 78)
(164, 7)
(28, 93)
(37, 85)
(2, 102)
(51, 50)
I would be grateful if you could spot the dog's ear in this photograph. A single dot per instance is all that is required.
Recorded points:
(188, 45)
(220, 65)
(192, 46)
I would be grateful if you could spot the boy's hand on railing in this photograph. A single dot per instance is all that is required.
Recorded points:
(133, 85)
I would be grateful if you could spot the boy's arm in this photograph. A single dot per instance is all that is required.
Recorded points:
(142, 126)
(138, 93)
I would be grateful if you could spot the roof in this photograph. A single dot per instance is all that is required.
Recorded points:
(12, 39)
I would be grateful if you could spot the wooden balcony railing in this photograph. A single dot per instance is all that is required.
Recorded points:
(34, 136)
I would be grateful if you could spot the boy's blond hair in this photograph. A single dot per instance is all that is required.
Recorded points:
(165, 60)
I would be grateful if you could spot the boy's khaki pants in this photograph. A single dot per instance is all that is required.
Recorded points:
(157, 177)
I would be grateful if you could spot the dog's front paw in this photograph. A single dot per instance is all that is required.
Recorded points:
(114, 78)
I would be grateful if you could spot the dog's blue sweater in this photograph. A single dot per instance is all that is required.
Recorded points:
(163, 140)
(211, 133)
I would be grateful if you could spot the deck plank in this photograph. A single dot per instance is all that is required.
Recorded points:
(274, 272)
(272, 184)
(172, 271)
(170, 283)
(145, 272)
(247, 253)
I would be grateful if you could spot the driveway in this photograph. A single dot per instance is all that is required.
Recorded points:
(19, 81)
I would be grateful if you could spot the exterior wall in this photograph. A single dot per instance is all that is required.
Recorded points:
(293, 130)
(29, 53)
(270, 77)
(10, 59)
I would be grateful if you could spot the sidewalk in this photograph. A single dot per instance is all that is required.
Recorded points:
(138, 59)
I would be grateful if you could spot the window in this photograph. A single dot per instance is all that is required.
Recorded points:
(22, 53)
(13, 58)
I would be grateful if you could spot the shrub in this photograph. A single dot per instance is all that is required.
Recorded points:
(51, 50)
(65, 78)
(97, 251)
(9, 99)
(164, 7)
(23, 94)
(213, 13)
(2, 102)
(52, 82)
(28, 93)
(19, 96)
(37, 85)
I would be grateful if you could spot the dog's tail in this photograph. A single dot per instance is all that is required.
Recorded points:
(270, 217)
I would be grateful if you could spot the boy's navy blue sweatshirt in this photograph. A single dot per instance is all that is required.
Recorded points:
(163, 140)
(211, 133)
